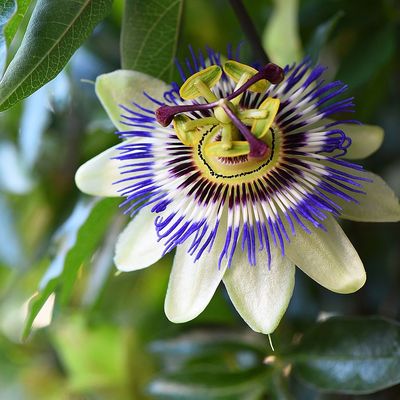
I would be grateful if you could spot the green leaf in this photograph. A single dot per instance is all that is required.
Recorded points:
(78, 239)
(349, 355)
(321, 36)
(20, 8)
(279, 388)
(200, 343)
(209, 384)
(11, 14)
(88, 238)
(368, 57)
(281, 38)
(149, 36)
(36, 304)
(55, 31)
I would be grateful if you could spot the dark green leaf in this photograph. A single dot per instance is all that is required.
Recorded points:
(349, 355)
(368, 57)
(321, 36)
(278, 387)
(210, 384)
(55, 31)
(200, 343)
(149, 36)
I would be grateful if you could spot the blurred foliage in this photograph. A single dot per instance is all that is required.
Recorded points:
(53, 34)
(149, 36)
(109, 338)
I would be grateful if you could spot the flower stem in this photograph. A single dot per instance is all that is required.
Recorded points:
(249, 30)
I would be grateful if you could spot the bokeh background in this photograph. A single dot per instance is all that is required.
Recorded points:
(110, 338)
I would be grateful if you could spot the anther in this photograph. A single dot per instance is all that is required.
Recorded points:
(271, 72)
(165, 114)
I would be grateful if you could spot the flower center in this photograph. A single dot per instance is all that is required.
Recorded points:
(223, 130)
(227, 117)
(235, 169)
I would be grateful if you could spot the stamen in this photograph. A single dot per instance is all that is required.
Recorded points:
(165, 114)
(205, 91)
(240, 73)
(243, 79)
(270, 72)
(252, 114)
(201, 83)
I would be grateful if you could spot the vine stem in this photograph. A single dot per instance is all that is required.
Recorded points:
(249, 30)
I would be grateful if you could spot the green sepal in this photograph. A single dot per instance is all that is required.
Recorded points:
(209, 77)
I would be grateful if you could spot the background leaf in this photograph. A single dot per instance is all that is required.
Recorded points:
(321, 36)
(368, 57)
(149, 36)
(88, 238)
(78, 240)
(349, 355)
(55, 31)
(209, 384)
(93, 356)
(281, 38)
(211, 365)
(197, 343)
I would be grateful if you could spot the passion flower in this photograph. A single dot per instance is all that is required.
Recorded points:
(244, 173)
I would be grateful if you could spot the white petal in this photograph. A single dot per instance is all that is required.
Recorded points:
(328, 257)
(124, 87)
(365, 139)
(137, 246)
(98, 175)
(192, 285)
(380, 204)
(259, 294)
